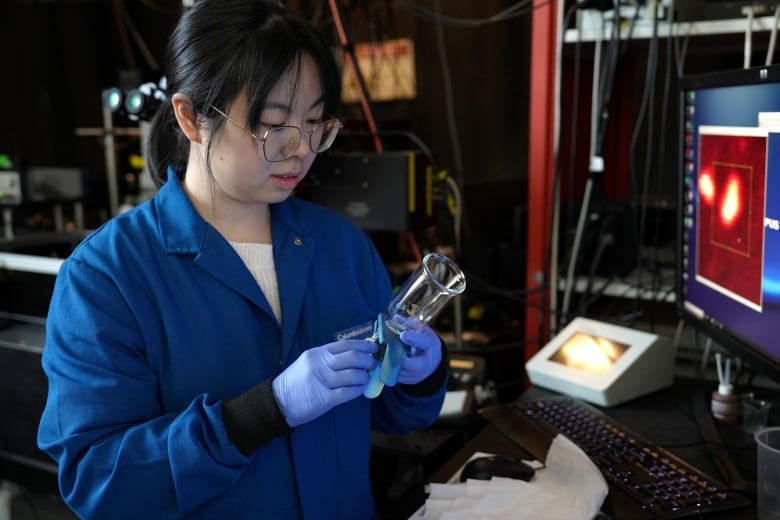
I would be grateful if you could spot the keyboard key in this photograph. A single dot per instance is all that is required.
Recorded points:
(661, 483)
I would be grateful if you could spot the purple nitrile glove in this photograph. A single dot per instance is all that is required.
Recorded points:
(424, 357)
(323, 377)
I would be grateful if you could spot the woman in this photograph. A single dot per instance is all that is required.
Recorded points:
(191, 348)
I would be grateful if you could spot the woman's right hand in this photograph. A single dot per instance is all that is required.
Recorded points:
(324, 377)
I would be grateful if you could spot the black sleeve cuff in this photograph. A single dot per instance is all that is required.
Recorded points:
(253, 418)
(432, 383)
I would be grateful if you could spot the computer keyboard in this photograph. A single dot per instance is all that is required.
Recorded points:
(663, 485)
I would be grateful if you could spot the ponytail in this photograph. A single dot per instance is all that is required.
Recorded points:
(167, 145)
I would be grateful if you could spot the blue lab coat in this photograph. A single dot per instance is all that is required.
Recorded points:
(155, 321)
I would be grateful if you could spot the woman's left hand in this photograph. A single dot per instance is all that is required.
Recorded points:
(424, 357)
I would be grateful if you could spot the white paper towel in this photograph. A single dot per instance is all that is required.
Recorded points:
(569, 487)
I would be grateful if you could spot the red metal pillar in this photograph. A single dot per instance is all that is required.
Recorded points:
(541, 164)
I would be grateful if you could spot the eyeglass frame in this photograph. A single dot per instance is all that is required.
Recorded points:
(274, 127)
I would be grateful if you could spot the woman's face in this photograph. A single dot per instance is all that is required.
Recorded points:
(240, 170)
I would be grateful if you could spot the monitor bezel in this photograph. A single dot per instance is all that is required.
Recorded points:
(751, 353)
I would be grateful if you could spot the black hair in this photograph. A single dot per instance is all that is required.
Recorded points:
(221, 47)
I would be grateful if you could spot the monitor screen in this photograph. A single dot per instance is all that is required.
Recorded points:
(728, 282)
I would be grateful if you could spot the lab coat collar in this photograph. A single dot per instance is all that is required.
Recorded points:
(184, 231)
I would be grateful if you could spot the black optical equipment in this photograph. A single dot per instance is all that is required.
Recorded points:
(112, 99)
(137, 104)
(141, 103)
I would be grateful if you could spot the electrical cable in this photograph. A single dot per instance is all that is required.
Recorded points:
(476, 282)
(682, 53)
(606, 239)
(643, 194)
(448, 100)
(607, 84)
(452, 184)
(770, 53)
(656, 283)
(605, 89)
(649, 150)
(457, 216)
(456, 194)
(593, 166)
(521, 8)
(645, 108)
(439, 20)
(748, 47)
(423, 147)
(387, 133)
(516, 10)
(380, 73)
(572, 154)
(139, 41)
(630, 31)
(457, 157)
(603, 82)
(354, 69)
(573, 125)
(122, 33)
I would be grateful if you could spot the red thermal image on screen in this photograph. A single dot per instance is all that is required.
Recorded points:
(731, 184)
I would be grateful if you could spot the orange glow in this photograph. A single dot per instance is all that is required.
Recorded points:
(706, 186)
(592, 354)
(732, 203)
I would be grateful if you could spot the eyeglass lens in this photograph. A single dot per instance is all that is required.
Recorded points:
(280, 142)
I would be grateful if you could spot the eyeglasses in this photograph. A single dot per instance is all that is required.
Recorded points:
(280, 142)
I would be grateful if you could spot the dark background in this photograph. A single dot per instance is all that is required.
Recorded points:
(58, 55)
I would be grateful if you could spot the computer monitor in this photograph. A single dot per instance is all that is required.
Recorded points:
(728, 276)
